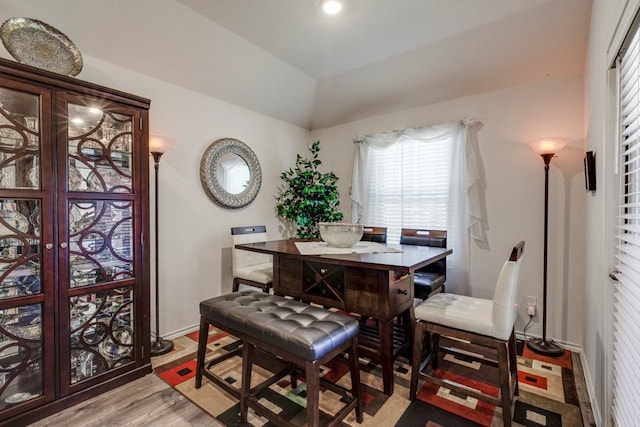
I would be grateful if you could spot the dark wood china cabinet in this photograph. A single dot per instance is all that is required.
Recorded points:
(74, 257)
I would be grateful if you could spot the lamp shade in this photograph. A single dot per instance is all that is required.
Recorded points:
(548, 145)
(159, 144)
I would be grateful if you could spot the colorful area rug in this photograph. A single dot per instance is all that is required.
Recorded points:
(547, 397)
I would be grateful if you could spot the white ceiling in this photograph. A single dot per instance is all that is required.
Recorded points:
(286, 59)
(367, 31)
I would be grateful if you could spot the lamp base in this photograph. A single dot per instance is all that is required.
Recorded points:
(161, 346)
(546, 347)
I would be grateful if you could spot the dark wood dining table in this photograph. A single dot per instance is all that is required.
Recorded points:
(377, 285)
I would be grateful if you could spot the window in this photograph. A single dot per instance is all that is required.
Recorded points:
(626, 366)
(423, 178)
(409, 186)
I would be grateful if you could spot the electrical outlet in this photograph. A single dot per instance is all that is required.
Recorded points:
(531, 306)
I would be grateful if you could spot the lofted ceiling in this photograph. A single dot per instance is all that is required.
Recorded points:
(287, 60)
(368, 31)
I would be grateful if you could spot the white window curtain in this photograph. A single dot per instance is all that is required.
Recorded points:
(426, 177)
(626, 311)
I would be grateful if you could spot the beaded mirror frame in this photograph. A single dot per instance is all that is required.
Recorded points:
(210, 169)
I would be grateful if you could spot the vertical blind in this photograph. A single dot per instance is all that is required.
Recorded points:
(409, 187)
(626, 334)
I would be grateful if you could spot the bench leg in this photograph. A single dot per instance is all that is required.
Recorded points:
(312, 372)
(203, 336)
(247, 364)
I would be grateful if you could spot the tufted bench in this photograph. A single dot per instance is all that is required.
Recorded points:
(303, 335)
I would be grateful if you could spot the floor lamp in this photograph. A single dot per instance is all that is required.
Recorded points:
(158, 146)
(547, 149)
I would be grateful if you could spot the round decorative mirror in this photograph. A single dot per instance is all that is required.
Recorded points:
(233, 173)
(230, 173)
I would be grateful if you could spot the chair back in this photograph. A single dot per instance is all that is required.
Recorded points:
(374, 234)
(423, 237)
(251, 234)
(504, 296)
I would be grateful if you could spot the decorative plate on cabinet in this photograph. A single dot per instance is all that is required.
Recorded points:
(75, 179)
(15, 220)
(118, 344)
(106, 180)
(36, 43)
(19, 397)
(31, 177)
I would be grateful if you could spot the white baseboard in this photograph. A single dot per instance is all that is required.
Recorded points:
(597, 416)
(177, 334)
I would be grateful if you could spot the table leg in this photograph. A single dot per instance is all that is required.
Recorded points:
(385, 329)
(409, 319)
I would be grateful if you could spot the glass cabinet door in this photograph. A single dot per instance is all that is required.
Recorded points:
(100, 218)
(25, 298)
(100, 150)
(21, 355)
(20, 247)
(100, 253)
(101, 332)
(100, 241)
(19, 140)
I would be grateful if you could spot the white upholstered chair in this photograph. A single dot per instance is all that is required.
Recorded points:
(251, 268)
(488, 323)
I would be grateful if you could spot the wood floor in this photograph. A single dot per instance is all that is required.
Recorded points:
(148, 401)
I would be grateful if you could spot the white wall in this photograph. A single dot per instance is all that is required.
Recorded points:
(608, 16)
(515, 188)
(195, 232)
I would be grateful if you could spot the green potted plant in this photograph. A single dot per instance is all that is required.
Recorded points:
(308, 196)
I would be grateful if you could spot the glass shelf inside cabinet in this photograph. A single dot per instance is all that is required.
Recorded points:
(100, 150)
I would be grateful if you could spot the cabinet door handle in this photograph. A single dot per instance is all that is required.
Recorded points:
(63, 245)
(49, 246)
(403, 291)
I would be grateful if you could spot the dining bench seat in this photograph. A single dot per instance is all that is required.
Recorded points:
(301, 334)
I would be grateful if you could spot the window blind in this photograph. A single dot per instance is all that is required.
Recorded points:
(409, 187)
(626, 335)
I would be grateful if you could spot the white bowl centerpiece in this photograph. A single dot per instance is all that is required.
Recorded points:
(340, 234)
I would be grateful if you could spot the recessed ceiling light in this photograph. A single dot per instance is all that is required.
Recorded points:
(331, 7)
